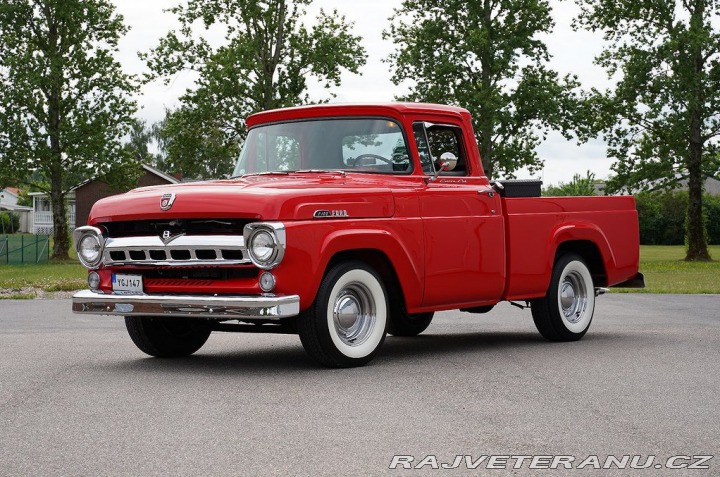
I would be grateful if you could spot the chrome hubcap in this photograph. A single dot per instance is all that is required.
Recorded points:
(573, 297)
(354, 314)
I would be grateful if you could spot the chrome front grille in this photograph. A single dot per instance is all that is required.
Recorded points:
(183, 250)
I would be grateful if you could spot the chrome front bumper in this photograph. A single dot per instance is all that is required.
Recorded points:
(191, 306)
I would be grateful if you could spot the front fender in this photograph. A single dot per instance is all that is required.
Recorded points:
(312, 245)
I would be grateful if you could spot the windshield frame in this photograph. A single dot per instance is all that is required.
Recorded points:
(398, 122)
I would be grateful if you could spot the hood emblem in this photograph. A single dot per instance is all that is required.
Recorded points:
(330, 214)
(166, 201)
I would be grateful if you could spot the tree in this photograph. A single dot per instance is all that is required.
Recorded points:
(138, 145)
(64, 100)
(485, 55)
(265, 62)
(578, 186)
(192, 148)
(662, 119)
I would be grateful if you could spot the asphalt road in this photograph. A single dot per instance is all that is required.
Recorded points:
(77, 397)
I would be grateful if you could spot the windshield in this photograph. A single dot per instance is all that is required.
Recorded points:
(362, 145)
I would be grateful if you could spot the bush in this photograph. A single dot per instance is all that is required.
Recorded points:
(662, 217)
(9, 223)
(711, 206)
(579, 186)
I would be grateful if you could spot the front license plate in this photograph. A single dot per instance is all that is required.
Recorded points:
(127, 283)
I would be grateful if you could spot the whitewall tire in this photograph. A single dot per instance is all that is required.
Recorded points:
(346, 324)
(566, 311)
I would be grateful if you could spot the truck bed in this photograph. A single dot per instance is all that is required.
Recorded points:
(536, 226)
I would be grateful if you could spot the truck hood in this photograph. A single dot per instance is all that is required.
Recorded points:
(269, 197)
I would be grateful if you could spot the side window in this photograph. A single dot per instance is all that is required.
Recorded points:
(440, 139)
(447, 139)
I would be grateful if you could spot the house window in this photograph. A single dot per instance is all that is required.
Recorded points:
(42, 205)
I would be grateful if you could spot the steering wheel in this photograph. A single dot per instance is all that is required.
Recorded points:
(371, 156)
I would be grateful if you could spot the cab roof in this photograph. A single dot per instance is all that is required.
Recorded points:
(370, 109)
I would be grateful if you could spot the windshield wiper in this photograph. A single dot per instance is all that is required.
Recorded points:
(300, 171)
(266, 173)
(320, 171)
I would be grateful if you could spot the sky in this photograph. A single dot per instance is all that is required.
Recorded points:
(572, 52)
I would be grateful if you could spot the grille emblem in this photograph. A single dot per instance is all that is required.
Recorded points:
(168, 237)
(166, 201)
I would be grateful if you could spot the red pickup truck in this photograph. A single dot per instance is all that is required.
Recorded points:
(343, 223)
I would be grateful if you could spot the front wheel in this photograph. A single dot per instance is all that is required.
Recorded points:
(566, 311)
(403, 323)
(167, 337)
(345, 326)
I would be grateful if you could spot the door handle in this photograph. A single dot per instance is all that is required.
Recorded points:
(489, 192)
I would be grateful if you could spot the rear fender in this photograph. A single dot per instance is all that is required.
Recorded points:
(581, 231)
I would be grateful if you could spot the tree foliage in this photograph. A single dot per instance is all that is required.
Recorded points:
(268, 56)
(662, 119)
(192, 148)
(486, 56)
(64, 100)
(578, 186)
(139, 141)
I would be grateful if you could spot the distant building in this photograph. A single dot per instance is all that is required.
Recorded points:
(711, 186)
(82, 197)
(8, 203)
(9, 196)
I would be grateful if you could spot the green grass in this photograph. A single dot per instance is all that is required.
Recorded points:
(663, 266)
(50, 277)
(666, 272)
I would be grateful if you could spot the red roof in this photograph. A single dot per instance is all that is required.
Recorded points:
(329, 110)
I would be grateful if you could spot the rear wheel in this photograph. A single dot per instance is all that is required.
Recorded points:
(345, 326)
(566, 311)
(167, 337)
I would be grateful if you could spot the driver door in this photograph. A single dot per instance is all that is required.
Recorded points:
(462, 224)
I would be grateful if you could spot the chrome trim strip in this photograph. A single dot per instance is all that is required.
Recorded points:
(186, 243)
(188, 306)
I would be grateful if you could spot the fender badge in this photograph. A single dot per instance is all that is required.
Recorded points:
(166, 201)
(329, 214)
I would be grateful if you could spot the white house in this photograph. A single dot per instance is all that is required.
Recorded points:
(9, 196)
(8, 203)
(42, 216)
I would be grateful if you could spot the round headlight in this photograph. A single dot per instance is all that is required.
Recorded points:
(263, 246)
(89, 249)
(265, 243)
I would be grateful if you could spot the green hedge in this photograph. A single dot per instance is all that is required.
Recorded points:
(9, 223)
(662, 217)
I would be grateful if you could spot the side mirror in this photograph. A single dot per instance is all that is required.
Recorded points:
(448, 161)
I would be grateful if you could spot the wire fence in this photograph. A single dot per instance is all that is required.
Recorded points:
(19, 249)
